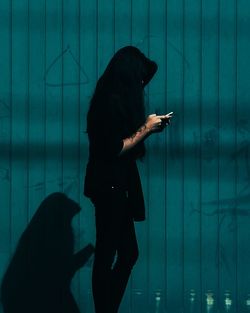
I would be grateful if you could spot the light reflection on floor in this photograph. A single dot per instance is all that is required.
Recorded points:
(192, 304)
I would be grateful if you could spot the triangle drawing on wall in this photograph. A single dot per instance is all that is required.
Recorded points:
(72, 65)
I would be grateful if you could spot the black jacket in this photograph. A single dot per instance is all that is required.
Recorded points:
(105, 169)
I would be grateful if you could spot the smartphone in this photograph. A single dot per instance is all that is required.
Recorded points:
(170, 113)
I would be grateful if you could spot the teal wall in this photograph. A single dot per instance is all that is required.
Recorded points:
(196, 176)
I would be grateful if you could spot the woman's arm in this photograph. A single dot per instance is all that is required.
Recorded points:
(154, 123)
(81, 257)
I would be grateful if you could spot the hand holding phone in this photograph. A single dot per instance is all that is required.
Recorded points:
(166, 118)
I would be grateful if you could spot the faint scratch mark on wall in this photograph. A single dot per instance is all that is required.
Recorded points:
(5, 174)
(180, 53)
(144, 43)
(230, 208)
(175, 139)
(244, 151)
(4, 109)
(68, 184)
(71, 185)
(75, 62)
(196, 145)
(210, 145)
(225, 213)
(243, 127)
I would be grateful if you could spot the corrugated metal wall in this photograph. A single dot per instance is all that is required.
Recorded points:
(196, 176)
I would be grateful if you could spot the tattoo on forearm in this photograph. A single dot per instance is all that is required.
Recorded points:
(141, 129)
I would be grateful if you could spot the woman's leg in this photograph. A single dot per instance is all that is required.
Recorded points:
(114, 234)
(127, 254)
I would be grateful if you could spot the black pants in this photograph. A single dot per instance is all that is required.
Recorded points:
(115, 237)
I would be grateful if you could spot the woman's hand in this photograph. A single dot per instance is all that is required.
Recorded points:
(156, 123)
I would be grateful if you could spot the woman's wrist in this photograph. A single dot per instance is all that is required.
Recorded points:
(148, 129)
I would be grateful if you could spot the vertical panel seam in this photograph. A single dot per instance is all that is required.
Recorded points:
(97, 39)
(131, 20)
(236, 146)
(79, 126)
(166, 163)
(183, 156)
(114, 20)
(78, 97)
(148, 163)
(45, 97)
(218, 147)
(28, 115)
(62, 97)
(11, 119)
(200, 150)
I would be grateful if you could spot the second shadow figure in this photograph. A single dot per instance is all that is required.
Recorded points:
(38, 277)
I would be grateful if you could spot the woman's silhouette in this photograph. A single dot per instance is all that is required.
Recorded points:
(38, 277)
(117, 128)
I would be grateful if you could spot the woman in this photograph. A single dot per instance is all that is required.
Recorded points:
(117, 127)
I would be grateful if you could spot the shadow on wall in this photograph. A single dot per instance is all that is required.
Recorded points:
(38, 277)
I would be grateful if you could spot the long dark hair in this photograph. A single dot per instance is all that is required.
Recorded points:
(124, 79)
